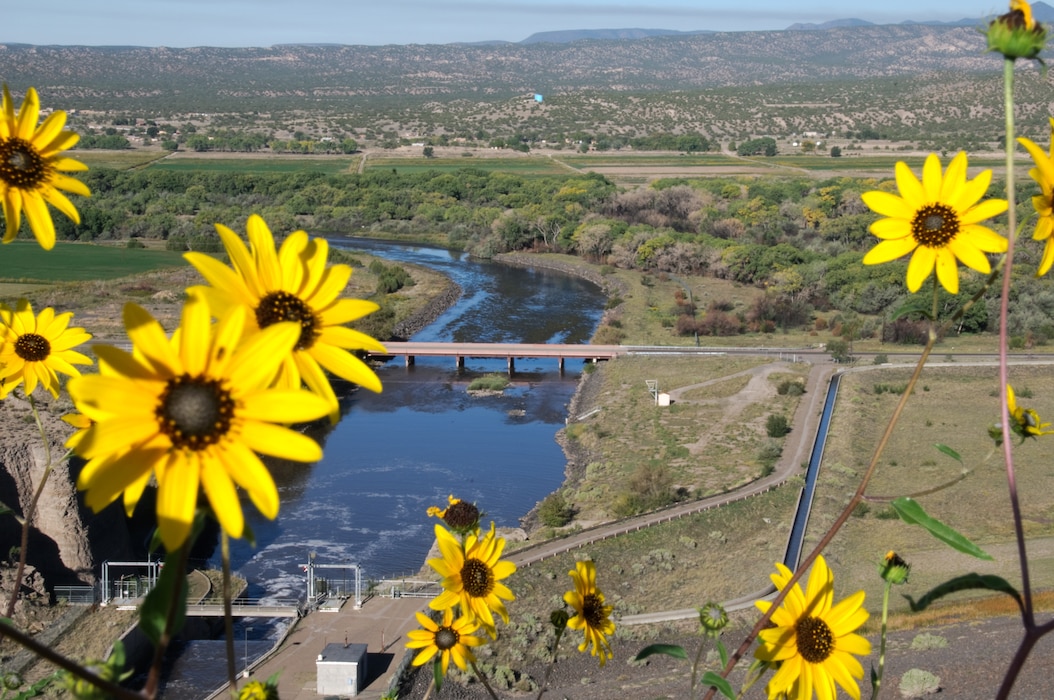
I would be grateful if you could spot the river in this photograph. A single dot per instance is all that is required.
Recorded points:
(394, 454)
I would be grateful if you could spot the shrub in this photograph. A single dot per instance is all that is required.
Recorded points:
(790, 387)
(881, 359)
(555, 511)
(776, 425)
(768, 455)
(490, 382)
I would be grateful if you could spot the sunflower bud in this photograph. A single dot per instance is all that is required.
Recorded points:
(1017, 34)
(559, 619)
(894, 569)
(713, 618)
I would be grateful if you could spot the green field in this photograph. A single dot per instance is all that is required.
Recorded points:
(117, 160)
(666, 159)
(518, 166)
(266, 164)
(25, 261)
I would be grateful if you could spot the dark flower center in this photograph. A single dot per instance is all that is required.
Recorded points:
(277, 307)
(32, 347)
(935, 225)
(194, 412)
(446, 638)
(477, 578)
(461, 515)
(21, 165)
(815, 640)
(593, 610)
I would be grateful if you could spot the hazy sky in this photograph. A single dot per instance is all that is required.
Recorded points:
(180, 23)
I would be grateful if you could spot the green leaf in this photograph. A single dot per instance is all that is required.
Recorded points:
(912, 306)
(668, 649)
(153, 613)
(964, 583)
(711, 678)
(911, 512)
(950, 452)
(437, 674)
(722, 652)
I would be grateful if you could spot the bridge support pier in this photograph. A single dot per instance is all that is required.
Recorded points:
(512, 365)
(561, 363)
(460, 362)
(409, 360)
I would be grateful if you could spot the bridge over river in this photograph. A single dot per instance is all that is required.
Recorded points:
(562, 351)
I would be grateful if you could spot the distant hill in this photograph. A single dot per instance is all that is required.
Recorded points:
(281, 77)
(851, 22)
(568, 35)
(1040, 10)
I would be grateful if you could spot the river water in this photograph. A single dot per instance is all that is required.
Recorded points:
(394, 454)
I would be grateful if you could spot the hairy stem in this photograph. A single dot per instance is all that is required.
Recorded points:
(549, 671)
(48, 654)
(228, 624)
(153, 678)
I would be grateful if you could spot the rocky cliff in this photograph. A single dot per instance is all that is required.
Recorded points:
(68, 541)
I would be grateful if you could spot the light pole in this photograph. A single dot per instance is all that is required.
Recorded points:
(245, 649)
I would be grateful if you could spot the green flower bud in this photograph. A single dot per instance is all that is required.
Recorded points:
(894, 569)
(713, 617)
(1017, 34)
(559, 619)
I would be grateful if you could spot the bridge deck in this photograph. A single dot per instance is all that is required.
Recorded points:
(244, 610)
(501, 350)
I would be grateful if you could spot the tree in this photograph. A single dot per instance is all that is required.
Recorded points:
(839, 350)
(836, 152)
(429, 152)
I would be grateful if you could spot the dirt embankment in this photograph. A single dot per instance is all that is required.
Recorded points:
(427, 314)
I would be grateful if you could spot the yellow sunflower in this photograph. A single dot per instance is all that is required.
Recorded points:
(451, 640)
(258, 690)
(31, 167)
(190, 410)
(34, 348)
(1025, 422)
(1043, 203)
(471, 575)
(293, 284)
(591, 615)
(460, 516)
(813, 642)
(938, 219)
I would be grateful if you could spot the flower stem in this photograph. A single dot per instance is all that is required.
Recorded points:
(877, 685)
(228, 625)
(549, 671)
(695, 671)
(153, 678)
(1032, 632)
(483, 679)
(48, 654)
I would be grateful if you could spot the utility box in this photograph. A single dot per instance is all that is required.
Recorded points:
(341, 670)
(663, 399)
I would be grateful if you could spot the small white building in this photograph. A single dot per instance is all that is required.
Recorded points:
(341, 670)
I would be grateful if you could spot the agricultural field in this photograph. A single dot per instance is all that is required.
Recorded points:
(26, 261)
(525, 165)
(264, 163)
(118, 160)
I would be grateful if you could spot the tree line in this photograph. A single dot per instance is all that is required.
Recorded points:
(799, 239)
